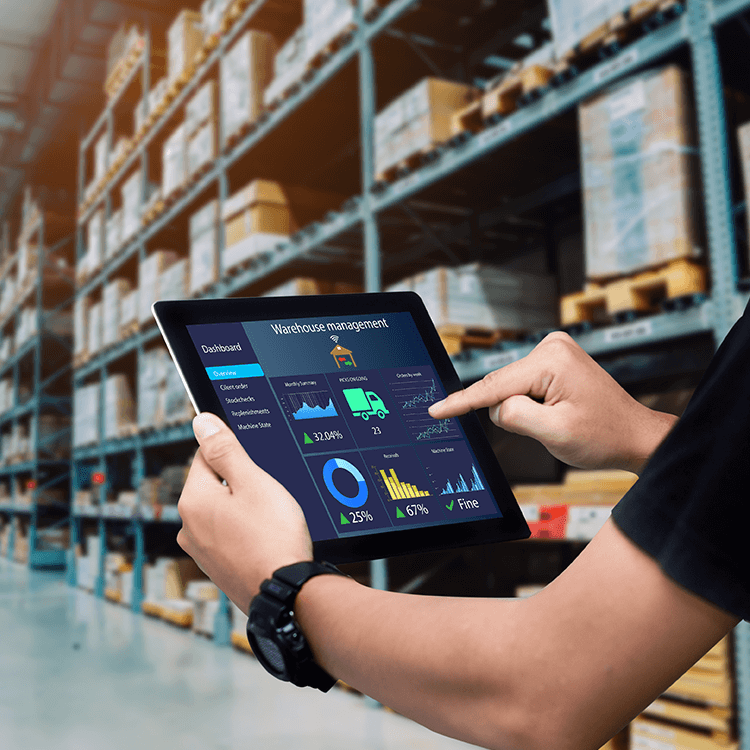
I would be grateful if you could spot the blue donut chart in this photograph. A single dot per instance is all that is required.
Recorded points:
(339, 463)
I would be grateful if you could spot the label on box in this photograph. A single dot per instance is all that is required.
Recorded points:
(630, 99)
(641, 329)
(616, 66)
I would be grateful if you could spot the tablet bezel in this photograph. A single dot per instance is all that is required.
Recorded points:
(173, 317)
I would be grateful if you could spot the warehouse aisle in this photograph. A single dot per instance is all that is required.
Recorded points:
(78, 673)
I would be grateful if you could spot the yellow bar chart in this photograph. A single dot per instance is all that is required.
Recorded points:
(399, 490)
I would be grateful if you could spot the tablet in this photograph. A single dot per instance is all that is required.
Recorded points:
(330, 394)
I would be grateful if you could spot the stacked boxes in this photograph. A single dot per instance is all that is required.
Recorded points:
(113, 233)
(174, 161)
(184, 40)
(119, 407)
(246, 70)
(149, 276)
(299, 286)
(94, 329)
(168, 578)
(205, 598)
(80, 326)
(94, 256)
(86, 415)
(212, 12)
(201, 129)
(132, 192)
(112, 297)
(255, 219)
(640, 175)
(129, 314)
(204, 247)
(478, 295)
(152, 379)
(574, 20)
(289, 65)
(418, 120)
(173, 281)
(325, 21)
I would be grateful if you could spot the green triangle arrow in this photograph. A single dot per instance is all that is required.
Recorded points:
(399, 514)
(343, 520)
(307, 439)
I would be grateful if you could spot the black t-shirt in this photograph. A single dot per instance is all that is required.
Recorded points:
(690, 509)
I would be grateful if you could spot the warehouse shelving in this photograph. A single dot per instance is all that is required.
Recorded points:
(43, 365)
(351, 234)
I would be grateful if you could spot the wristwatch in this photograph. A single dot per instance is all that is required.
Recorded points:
(273, 633)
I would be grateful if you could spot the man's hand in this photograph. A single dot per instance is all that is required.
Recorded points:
(240, 532)
(585, 418)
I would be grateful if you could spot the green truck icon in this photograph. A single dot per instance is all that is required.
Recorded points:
(364, 403)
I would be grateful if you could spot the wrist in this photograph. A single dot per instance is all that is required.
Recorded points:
(653, 428)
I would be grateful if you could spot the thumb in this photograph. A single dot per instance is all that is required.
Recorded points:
(524, 416)
(221, 449)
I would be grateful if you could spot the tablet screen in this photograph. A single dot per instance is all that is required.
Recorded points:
(335, 408)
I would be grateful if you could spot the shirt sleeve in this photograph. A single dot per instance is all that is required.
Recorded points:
(690, 509)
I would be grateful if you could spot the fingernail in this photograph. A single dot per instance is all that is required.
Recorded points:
(205, 425)
(436, 404)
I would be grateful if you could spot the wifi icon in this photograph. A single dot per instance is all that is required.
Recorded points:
(335, 339)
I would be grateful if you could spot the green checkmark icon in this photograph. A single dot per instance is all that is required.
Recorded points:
(450, 506)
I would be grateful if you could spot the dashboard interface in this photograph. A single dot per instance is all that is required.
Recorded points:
(336, 410)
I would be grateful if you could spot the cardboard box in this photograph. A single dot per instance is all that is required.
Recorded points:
(111, 298)
(326, 20)
(289, 65)
(418, 120)
(640, 174)
(128, 313)
(201, 108)
(154, 99)
(173, 281)
(114, 234)
(174, 161)
(184, 40)
(204, 247)
(483, 296)
(246, 70)
(95, 328)
(202, 148)
(95, 242)
(213, 12)
(119, 407)
(152, 377)
(132, 193)
(255, 219)
(86, 414)
(101, 157)
(574, 20)
(177, 406)
(149, 273)
(204, 616)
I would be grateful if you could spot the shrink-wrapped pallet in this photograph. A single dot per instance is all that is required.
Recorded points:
(201, 148)
(256, 219)
(86, 414)
(204, 247)
(114, 233)
(174, 161)
(112, 296)
(119, 407)
(289, 65)
(152, 378)
(95, 242)
(184, 39)
(327, 20)
(95, 329)
(201, 108)
(573, 21)
(154, 99)
(640, 171)
(246, 70)
(101, 157)
(418, 120)
(482, 296)
(149, 274)
(301, 286)
(129, 313)
(173, 281)
(204, 616)
(213, 12)
(132, 192)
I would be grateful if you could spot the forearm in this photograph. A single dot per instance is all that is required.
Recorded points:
(425, 657)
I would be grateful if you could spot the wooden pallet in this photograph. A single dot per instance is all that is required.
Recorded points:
(408, 164)
(119, 75)
(628, 297)
(714, 719)
(176, 618)
(457, 338)
(609, 38)
(113, 595)
(521, 86)
(325, 53)
(152, 609)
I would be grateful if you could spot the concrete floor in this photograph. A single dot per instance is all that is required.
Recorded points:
(78, 673)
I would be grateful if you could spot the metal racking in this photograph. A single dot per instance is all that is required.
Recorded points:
(42, 365)
(693, 34)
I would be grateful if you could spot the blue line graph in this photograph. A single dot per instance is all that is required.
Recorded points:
(428, 396)
(441, 427)
(310, 405)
